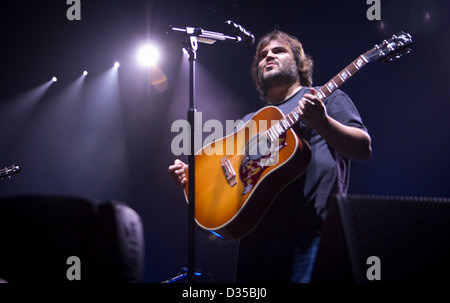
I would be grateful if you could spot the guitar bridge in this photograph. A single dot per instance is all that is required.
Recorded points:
(228, 171)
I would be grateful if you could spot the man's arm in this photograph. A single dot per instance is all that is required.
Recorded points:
(350, 142)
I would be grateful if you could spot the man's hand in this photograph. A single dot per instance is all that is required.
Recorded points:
(177, 172)
(351, 142)
(313, 111)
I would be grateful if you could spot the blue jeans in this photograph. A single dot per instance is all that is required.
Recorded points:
(303, 262)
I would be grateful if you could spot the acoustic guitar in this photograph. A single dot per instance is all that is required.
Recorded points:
(238, 176)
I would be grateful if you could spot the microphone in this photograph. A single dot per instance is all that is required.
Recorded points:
(238, 30)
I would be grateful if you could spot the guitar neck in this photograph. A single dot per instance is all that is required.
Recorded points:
(341, 77)
(294, 116)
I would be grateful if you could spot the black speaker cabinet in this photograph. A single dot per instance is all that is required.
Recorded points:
(39, 235)
(380, 239)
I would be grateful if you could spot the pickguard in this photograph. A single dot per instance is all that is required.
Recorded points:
(253, 166)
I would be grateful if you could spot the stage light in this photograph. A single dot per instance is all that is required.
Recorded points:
(148, 55)
(116, 64)
(54, 79)
(85, 73)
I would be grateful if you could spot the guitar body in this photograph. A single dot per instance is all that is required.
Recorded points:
(235, 186)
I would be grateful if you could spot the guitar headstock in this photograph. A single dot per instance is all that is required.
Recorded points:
(9, 171)
(398, 45)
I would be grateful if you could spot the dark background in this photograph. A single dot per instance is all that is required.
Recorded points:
(109, 136)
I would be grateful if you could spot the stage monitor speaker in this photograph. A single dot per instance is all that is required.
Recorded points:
(385, 239)
(39, 234)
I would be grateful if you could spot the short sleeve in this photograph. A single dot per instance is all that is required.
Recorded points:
(341, 108)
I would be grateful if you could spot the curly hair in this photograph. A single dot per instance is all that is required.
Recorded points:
(304, 62)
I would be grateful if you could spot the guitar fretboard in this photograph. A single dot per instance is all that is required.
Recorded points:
(294, 116)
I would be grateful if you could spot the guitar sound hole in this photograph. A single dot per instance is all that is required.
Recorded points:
(258, 146)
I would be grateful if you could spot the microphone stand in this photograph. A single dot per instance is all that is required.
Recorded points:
(194, 36)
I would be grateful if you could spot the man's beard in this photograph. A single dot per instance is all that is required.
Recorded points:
(286, 75)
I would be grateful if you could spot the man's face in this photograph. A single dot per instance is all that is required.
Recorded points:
(276, 65)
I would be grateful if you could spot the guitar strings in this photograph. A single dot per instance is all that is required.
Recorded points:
(293, 117)
(253, 142)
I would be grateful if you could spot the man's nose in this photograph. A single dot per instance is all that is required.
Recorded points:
(270, 56)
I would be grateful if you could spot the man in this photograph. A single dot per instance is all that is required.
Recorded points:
(283, 246)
